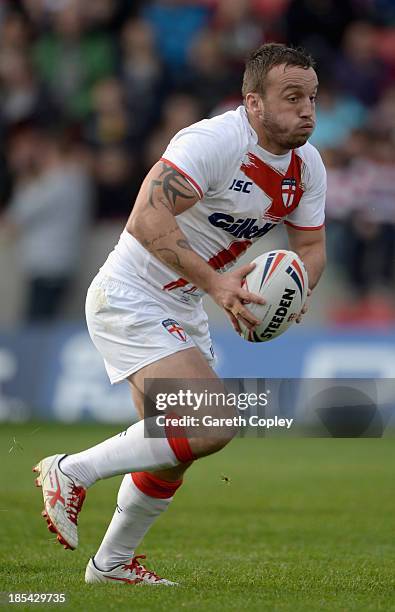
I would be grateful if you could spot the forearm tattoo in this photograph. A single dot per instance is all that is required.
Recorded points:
(149, 244)
(173, 186)
(184, 244)
(170, 257)
(167, 254)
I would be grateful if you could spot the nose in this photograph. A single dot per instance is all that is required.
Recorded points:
(307, 110)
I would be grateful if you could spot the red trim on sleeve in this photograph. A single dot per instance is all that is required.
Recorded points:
(305, 229)
(189, 178)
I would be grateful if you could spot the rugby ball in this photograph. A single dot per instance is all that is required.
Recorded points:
(281, 278)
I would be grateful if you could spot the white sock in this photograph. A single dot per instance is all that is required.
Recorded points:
(132, 518)
(126, 452)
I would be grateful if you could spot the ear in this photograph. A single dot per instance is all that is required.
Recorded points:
(254, 104)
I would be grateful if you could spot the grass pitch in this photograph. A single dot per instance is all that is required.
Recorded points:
(301, 524)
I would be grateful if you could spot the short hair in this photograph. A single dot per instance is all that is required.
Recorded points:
(262, 60)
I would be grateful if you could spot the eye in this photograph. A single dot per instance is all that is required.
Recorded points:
(292, 99)
(313, 98)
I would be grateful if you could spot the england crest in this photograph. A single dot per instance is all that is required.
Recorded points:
(175, 329)
(288, 191)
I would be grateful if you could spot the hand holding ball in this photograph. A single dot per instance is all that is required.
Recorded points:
(281, 278)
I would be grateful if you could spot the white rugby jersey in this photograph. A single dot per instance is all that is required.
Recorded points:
(244, 192)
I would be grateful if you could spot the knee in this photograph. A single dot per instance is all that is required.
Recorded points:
(201, 447)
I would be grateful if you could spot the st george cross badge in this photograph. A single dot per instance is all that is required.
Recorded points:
(288, 191)
(175, 329)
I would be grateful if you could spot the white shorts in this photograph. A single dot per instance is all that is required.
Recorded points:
(131, 328)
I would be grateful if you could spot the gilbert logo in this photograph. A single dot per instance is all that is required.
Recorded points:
(239, 227)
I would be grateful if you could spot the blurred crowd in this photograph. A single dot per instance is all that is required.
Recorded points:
(91, 93)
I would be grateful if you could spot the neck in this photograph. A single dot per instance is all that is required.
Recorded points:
(264, 140)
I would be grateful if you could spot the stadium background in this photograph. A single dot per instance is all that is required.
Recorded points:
(90, 95)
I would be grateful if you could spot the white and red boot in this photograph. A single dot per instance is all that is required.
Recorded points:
(63, 500)
(129, 573)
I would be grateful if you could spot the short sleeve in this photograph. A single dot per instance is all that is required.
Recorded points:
(203, 153)
(310, 214)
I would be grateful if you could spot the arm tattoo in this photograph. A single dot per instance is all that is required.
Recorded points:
(171, 258)
(168, 255)
(149, 243)
(184, 244)
(173, 186)
(154, 183)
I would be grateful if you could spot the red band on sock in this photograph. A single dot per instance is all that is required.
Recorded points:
(180, 443)
(153, 486)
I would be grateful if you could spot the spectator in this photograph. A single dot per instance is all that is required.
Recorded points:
(239, 30)
(337, 116)
(272, 14)
(15, 33)
(142, 73)
(359, 71)
(342, 193)
(118, 179)
(99, 14)
(48, 213)
(22, 96)
(382, 117)
(270, 10)
(179, 111)
(110, 122)
(319, 25)
(369, 228)
(175, 24)
(210, 78)
(71, 60)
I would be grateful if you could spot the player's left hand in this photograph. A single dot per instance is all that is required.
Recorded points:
(305, 308)
(234, 321)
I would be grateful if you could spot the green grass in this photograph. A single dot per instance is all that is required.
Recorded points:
(304, 524)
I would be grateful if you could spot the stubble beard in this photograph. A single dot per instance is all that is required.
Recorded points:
(280, 136)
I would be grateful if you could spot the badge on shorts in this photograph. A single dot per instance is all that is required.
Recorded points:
(175, 329)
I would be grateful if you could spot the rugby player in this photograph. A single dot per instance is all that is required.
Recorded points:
(221, 185)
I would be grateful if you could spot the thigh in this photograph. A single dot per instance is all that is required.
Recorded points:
(188, 364)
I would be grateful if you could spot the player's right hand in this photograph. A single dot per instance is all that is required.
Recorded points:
(228, 293)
